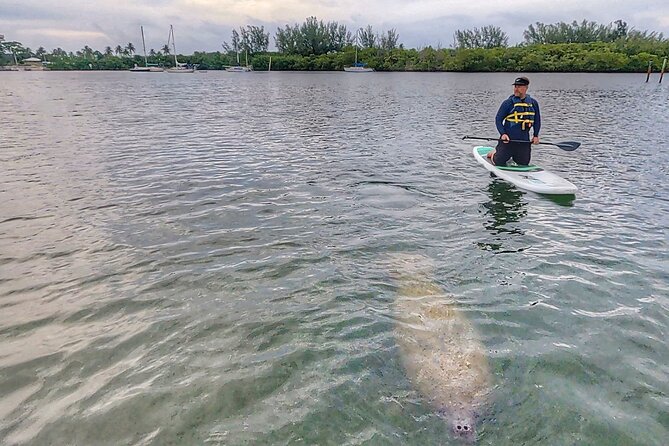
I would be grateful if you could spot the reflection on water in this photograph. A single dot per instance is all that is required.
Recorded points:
(508, 205)
(505, 207)
(562, 200)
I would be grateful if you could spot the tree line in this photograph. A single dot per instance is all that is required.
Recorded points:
(318, 45)
(560, 32)
(313, 37)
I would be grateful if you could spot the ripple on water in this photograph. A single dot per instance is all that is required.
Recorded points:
(178, 272)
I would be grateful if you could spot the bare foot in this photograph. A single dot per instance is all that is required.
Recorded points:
(490, 155)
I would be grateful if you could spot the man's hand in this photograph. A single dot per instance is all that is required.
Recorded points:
(504, 138)
(535, 140)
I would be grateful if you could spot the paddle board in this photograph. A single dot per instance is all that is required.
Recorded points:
(532, 178)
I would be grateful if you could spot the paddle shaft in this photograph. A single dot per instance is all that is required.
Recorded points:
(570, 145)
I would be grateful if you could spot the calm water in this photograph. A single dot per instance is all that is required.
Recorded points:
(202, 259)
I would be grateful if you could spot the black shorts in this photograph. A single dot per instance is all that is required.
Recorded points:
(521, 153)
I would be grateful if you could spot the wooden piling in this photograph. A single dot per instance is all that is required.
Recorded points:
(664, 64)
(650, 62)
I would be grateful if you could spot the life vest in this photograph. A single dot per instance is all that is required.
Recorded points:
(521, 114)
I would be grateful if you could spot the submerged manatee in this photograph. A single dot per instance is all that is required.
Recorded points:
(439, 347)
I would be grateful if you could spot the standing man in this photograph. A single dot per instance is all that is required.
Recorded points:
(517, 117)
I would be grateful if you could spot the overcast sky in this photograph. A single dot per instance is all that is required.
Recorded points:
(202, 25)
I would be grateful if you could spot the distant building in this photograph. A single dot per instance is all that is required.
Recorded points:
(32, 64)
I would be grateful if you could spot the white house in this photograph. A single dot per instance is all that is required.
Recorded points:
(33, 64)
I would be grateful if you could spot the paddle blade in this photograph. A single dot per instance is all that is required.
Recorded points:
(568, 145)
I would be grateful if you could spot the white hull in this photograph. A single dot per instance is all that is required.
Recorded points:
(137, 69)
(146, 70)
(534, 179)
(358, 70)
(180, 70)
(238, 69)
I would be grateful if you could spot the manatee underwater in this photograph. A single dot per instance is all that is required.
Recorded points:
(440, 349)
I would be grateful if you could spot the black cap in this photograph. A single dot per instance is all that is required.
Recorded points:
(521, 81)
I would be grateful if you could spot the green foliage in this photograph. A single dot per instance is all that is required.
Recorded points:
(574, 32)
(565, 57)
(486, 37)
(252, 39)
(313, 37)
(587, 32)
(315, 45)
(389, 40)
(12, 48)
(207, 61)
(366, 37)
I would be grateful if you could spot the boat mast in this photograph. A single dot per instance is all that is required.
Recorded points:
(174, 47)
(356, 47)
(146, 63)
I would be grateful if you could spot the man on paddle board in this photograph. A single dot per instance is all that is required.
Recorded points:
(516, 118)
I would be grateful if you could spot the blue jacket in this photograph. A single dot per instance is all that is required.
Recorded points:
(516, 117)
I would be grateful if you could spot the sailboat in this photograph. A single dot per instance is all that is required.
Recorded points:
(146, 68)
(358, 67)
(178, 67)
(238, 68)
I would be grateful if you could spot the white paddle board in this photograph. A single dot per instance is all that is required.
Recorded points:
(532, 177)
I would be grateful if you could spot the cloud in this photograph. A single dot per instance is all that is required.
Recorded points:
(66, 34)
(242, 12)
(201, 25)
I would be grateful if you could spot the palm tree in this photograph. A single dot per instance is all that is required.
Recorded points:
(118, 50)
(131, 48)
(108, 51)
(87, 52)
(152, 52)
(166, 49)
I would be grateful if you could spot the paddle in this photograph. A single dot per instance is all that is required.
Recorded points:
(564, 145)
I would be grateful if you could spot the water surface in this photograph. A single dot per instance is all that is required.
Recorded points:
(203, 259)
